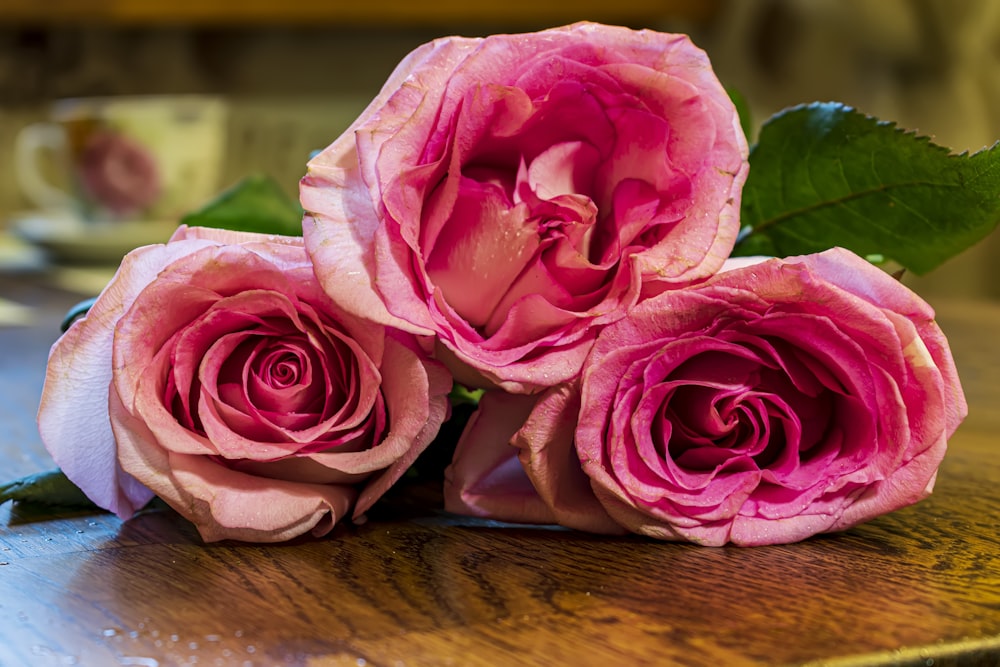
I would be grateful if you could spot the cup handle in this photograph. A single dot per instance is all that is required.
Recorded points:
(28, 145)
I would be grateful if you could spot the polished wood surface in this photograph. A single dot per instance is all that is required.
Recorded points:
(414, 586)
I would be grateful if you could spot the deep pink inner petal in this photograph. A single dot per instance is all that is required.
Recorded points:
(527, 197)
(741, 404)
(482, 249)
(273, 376)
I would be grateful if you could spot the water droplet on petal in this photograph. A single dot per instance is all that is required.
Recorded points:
(139, 661)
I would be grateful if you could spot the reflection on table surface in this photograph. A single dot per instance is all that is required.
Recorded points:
(416, 586)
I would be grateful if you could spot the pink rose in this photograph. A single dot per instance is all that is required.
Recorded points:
(773, 402)
(513, 194)
(238, 392)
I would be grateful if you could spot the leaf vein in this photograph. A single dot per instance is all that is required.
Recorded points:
(844, 199)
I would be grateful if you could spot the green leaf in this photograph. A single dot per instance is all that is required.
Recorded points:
(255, 204)
(824, 175)
(46, 488)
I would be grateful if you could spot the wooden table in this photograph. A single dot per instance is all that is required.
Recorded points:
(415, 586)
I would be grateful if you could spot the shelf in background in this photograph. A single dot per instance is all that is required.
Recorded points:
(387, 13)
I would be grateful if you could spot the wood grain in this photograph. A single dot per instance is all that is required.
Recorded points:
(415, 586)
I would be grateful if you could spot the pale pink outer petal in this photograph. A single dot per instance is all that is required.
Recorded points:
(389, 141)
(416, 393)
(547, 452)
(340, 221)
(485, 478)
(706, 235)
(523, 377)
(227, 236)
(734, 263)
(914, 479)
(224, 503)
(72, 414)
(633, 519)
(851, 273)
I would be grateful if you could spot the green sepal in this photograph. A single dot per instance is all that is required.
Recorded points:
(462, 395)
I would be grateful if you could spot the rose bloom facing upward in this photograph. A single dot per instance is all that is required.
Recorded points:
(772, 402)
(513, 194)
(238, 392)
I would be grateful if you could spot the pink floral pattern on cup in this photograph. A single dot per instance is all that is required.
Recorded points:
(119, 174)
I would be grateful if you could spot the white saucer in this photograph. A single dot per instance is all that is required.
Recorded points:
(68, 239)
(17, 255)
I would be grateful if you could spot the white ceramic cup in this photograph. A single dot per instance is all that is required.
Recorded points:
(124, 158)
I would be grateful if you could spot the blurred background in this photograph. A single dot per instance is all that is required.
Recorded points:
(294, 73)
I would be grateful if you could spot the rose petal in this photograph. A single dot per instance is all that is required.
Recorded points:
(843, 403)
(224, 503)
(74, 399)
(552, 465)
(596, 167)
